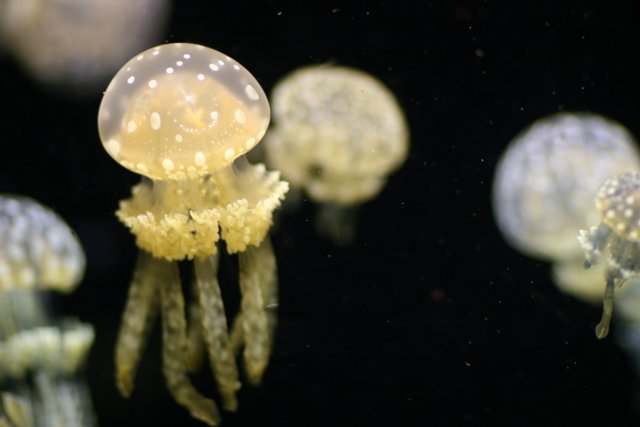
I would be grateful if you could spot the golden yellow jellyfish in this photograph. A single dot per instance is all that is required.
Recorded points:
(180, 114)
(338, 133)
(39, 356)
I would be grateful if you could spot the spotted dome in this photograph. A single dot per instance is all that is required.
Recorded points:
(181, 110)
(618, 202)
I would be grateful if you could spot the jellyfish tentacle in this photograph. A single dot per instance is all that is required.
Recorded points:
(593, 241)
(138, 317)
(174, 339)
(602, 328)
(18, 411)
(216, 333)
(194, 355)
(259, 299)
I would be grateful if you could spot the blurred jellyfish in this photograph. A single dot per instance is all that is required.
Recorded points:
(338, 132)
(39, 356)
(78, 44)
(544, 188)
(546, 180)
(180, 114)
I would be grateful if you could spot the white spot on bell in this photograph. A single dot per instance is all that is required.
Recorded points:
(167, 164)
(199, 159)
(131, 126)
(214, 116)
(251, 93)
(169, 70)
(131, 79)
(214, 67)
(179, 138)
(113, 147)
(153, 83)
(240, 116)
(228, 155)
(201, 77)
(251, 142)
(155, 121)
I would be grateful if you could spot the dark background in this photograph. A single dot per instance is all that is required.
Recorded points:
(428, 318)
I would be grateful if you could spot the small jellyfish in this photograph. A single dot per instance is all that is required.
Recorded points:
(338, 132)
(180, 115)
(545, 181)
(618, 203)
(78, 44)
(39, 355)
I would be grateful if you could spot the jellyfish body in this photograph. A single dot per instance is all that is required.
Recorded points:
(39, 356)
(618, 235)
(78, 44)
(545, 181)
(543, 193)
(180, 114)
(338, 132)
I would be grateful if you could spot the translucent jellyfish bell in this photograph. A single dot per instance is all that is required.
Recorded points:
(37, 250)
(180, 114)
(338, 132)
(78, 44)
(545, 181)
(179, 111)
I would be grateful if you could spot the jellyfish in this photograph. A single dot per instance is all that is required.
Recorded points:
(338, 133)
(40, 356)
(544, 186)
(618, 235)
(546, 179)
(78, 44)
(182, 115)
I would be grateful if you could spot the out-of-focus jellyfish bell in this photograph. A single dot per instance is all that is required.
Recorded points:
(39, 252)
(37, 249)
(78, 44)
(546, 180)
(338, 133)
(180, 114)
(544, 188)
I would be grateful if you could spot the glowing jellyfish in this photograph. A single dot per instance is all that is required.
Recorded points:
(180, 114)
(39, 357)
(78, 44)
(338, 133)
